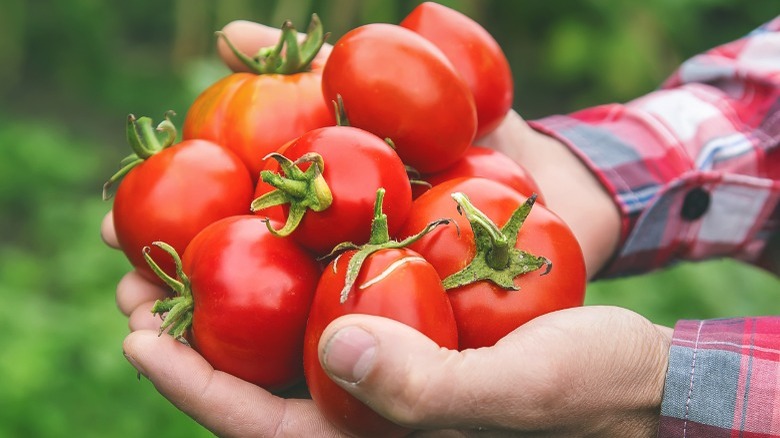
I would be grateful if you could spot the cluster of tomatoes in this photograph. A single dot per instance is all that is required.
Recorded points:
(303, 192)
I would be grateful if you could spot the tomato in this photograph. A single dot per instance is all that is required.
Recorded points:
(173, 191)
(398, 85)
(356, 163)
(253, 114)
(484, 311)
(247, 294)
(488, 163)
(394, 283)
(474, 53)
(381, 278)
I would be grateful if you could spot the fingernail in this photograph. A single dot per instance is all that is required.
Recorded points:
(349, 354)
(141, 370)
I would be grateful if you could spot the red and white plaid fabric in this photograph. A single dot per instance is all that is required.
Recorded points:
(695, 169)
(723, 379)
(714, 129)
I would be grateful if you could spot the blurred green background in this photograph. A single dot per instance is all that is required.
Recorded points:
(70, 72)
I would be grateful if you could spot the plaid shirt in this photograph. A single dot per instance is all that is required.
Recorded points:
(695, 170)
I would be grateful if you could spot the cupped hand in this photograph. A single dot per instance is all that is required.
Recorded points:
(592, 370)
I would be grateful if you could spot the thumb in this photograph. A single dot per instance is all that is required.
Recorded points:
(409, 379)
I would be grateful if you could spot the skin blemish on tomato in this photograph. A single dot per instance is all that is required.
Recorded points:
(389, 270)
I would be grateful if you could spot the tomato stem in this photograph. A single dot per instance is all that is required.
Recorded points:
(379, 230)
(379, 240)
(144, 141)
(177, 310)
(341, 112)
(288, 56)
(302, 190)
(496, 259)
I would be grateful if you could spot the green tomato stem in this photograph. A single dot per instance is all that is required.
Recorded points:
(177, 310)
(379, 240)
(288, 56)
(303, 191)
(497, 259)
(144, 141)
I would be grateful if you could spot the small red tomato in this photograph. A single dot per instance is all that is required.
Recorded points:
(253, 114)
(488, 163)
(247, 295)
(170, 192)
(398, 85)
(380, 278)
(476, 56)
(394, 283)
(486, 312)
(338, 205)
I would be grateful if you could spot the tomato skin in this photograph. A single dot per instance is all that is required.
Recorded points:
(252, 293)
(397, 85)
(411, 294)
(254, 114)
(357, 163)
(173, 195)
(488, 163)
(484, 312)
(474, 53)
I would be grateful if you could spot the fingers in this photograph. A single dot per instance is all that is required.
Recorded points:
(248, 37)
(224, 404)
(134, 290)
(135, 297)
(107, 232)
(406, 377)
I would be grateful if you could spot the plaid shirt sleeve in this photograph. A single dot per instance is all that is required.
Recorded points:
(723, 379)
(695, 169)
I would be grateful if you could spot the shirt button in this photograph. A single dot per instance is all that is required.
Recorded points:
(695, 204)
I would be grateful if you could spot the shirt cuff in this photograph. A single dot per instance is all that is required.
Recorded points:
(723, 378)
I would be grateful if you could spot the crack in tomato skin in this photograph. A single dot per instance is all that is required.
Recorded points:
(389, 270)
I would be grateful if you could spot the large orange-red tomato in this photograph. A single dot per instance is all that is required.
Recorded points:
(251, 294)
(485, 312)
(476, 56)
(356, 164)
(484, 162)
(393, 283)
(253, 114)
(175, 193)
(398, 85)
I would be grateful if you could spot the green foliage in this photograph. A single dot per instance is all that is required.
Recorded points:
(72, 71)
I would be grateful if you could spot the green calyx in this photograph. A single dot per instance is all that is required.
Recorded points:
(379, 240)
(496, 259)
(177, 311)
(145, 140)
(288, 56)
(302, 190)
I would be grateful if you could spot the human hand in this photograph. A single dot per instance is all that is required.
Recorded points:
(210, 396)
(577, 372)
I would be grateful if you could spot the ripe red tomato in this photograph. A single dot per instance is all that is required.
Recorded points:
(398, 85)
(250, 298)
(174, 193)
(474, 53)
(488, 163)
(394, 283)
(253, 114)
(356, 164)
(485, 312)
